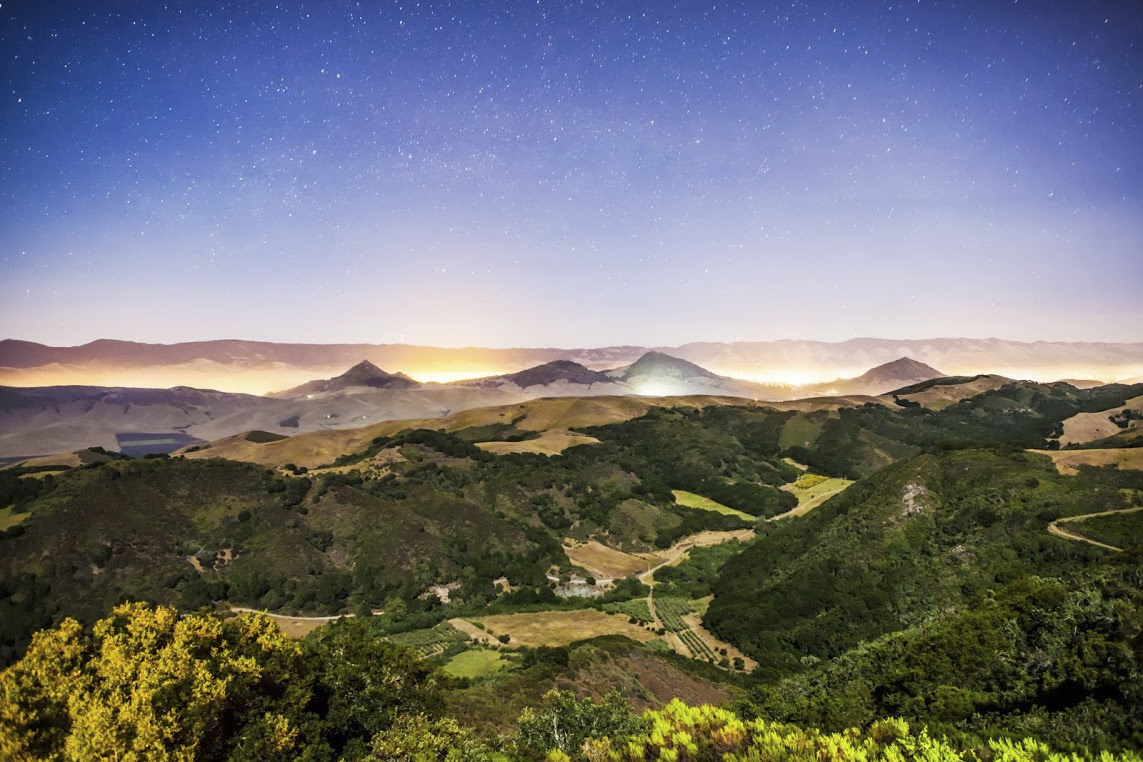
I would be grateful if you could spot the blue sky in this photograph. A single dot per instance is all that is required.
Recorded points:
(571, 174)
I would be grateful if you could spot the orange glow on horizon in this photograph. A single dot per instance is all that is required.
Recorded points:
(790, 377)
(437, 376)
(264, 379)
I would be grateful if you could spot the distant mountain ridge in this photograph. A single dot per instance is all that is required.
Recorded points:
(958, 356)
(545, 374)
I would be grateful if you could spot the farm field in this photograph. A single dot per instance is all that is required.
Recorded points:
(558, 628)
(294, 626)
(671, 612)
(433, 641)
(691, 500)
(609, 563)
(635, 609)
(551, 442)
(474, 664)
(812, 490)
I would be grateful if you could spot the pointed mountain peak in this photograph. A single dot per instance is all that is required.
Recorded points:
(363, 373)
(901, 369)
(659, 364)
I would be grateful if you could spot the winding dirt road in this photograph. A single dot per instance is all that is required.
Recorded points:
(1058, 531)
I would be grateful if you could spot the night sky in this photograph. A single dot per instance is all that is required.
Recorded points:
(570, 174)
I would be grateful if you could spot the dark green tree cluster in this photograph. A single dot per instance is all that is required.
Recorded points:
(924, 534)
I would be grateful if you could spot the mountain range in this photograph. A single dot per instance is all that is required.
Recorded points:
(260, 367)
(44, 420)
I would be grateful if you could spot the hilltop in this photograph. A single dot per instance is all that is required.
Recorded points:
(885, 378)
(364, 374)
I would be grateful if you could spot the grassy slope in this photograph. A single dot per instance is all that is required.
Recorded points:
(1069, 461)
(691, 500)
(649, 679)
(475, 664)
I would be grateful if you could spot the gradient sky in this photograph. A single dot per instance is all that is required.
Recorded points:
(570, 174)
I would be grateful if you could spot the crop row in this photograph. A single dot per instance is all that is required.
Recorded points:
(672, 610)
(636, 609)
(697, 645)
(431, 641)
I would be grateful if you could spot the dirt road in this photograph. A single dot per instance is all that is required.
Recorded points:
(1058, 531)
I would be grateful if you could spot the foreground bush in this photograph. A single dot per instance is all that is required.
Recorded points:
(146, 683)
(680, 732)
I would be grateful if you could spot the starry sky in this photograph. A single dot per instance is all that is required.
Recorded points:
(570, 173)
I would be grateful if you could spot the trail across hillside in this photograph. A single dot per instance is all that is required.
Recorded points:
(295, 626)
(1058, 531)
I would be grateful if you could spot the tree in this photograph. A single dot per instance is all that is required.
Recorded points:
(424, 740)
(149, 683)
(364, 683)
(563, 723)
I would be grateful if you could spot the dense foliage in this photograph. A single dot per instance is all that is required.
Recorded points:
(918, 537)
(861, 440)
(1038, 657)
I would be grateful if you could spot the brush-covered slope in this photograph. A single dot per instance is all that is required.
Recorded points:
(1053, 658)
(939, 393)
(189, 532)
(857, 441)
(924, 534)
(537, 415)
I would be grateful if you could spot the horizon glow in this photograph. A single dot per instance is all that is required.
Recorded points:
(548, 174)
(265, 380)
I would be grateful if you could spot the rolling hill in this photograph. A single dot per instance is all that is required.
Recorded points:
(884, 378)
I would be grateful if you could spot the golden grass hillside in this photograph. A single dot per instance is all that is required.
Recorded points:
(558, 628)
(1088, 427)
(941, 396)
(1069, 461)
(318, 448)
